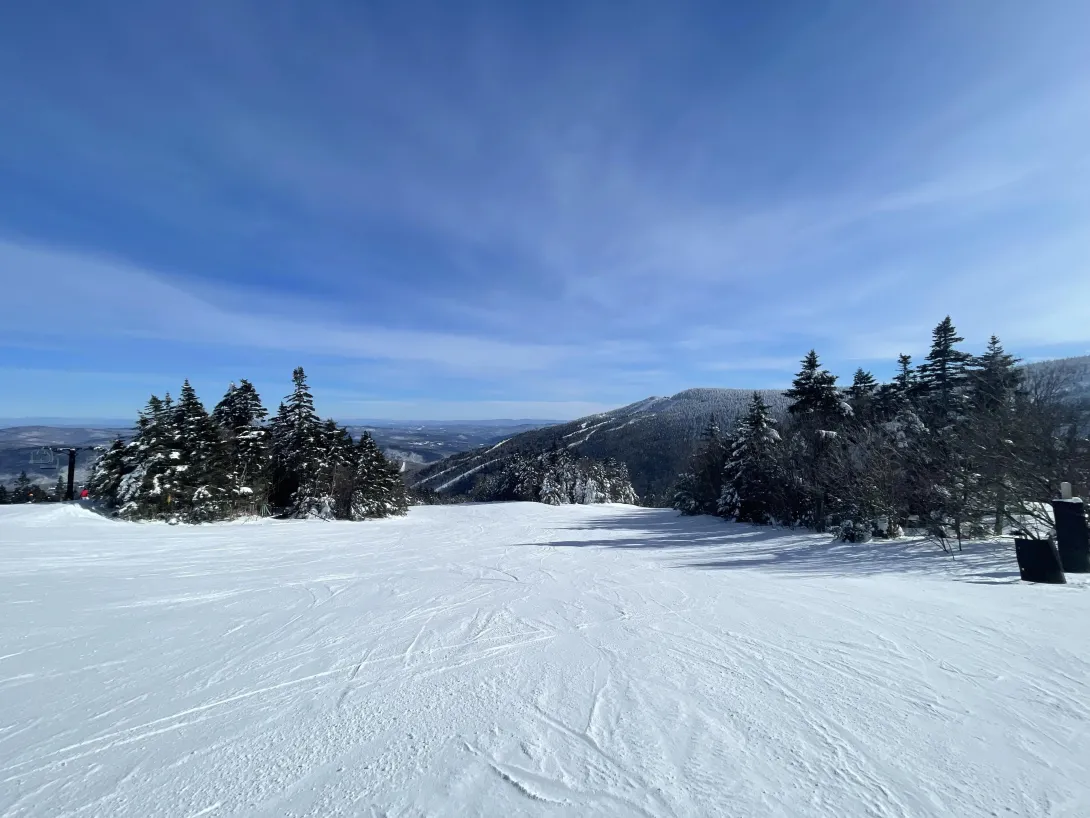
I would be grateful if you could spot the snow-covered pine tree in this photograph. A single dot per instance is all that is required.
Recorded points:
(619, 487)
(814, 394)
(861, 395)
(240, 416)
(338, 469)
(556, 477)
(377, 488)
(750, 475)
(296, 452)
(145, 491)
(107, 473)
(560, 477)
(820, 411)
(198, 471)
(553, 491)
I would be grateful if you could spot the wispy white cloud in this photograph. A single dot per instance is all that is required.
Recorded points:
(586, 220)
(110, 298)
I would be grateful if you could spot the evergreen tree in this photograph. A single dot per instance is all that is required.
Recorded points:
(906, 377)
(995, 388)
(338, 466)
(819, 411)
(813, 394)
(5, 498)
(24, 489)
(197, 473)
(698, 489)
(296, 452)
(944, 373)
(239, 416)
(556, 477)
(893, 398)
(107, 473)
(60, 488)
(861, 395)
(145, 490)
(751, 474)
(240, 407)
(377, 488)
(994, 377)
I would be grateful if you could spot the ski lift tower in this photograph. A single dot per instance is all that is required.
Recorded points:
(45, 458)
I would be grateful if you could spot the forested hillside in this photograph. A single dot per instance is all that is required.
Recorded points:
(652, 437)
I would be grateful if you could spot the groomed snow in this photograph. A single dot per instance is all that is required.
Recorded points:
(528, 660)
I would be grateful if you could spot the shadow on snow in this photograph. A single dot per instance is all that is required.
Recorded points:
(714, 544)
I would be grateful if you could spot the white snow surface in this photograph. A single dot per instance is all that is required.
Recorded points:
(523, 659)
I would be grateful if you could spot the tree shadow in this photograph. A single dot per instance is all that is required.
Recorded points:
(709, 543)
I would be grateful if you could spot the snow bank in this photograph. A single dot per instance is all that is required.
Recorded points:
(529, 660)
(48, 515)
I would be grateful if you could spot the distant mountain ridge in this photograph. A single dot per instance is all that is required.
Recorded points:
(416, 443)
(653, 437)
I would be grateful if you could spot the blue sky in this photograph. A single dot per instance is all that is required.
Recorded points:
(535, 209)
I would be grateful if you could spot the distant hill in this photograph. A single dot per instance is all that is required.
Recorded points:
(1076, 371)
(653, 437)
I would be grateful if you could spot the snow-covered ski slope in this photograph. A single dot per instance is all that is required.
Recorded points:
(528, 660)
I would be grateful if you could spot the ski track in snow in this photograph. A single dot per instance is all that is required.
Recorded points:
(518, 659)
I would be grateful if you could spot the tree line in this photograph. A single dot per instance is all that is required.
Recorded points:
(961, 445)
(188, 465)
(25, 490)
(556, 477)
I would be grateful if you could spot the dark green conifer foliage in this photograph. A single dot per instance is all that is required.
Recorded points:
(943, 375)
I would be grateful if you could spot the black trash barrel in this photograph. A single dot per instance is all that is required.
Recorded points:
(1072, 536)
(1039, 561)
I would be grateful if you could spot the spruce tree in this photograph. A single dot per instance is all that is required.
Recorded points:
(296, 452)
(23, 490)
(107, 473)
(239, 416)
(377, 487)
(944, 373)
(146, 490)
(750, 474)
(820, 411)
(60, 488)
(906, 376)
(994, 377)
(698, 489)
(337, 468)
(4, 496)
(861, 395)
(814, 394)
(198, 471)
(995, 386)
